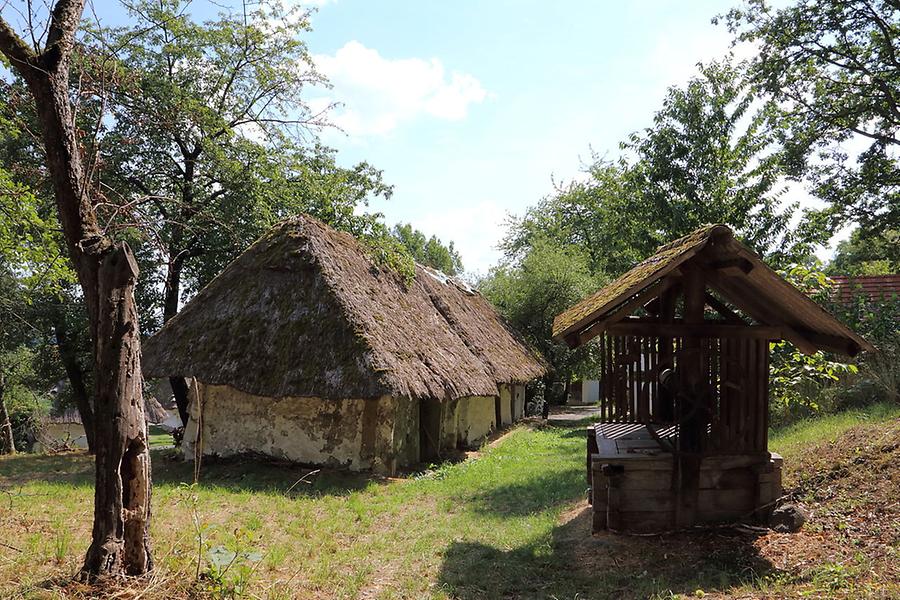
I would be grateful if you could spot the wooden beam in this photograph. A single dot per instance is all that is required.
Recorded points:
(797, 339)
(598, 327)
(731, 266)
(698, 330)
(721, 308)
(761, 314)
(831, 343)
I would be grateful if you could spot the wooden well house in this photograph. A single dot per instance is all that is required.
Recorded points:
(683, 343)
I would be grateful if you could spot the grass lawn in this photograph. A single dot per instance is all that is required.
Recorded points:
(794, 440)
(510, 522)
(159, 438)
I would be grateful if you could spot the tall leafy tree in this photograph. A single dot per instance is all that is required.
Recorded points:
(833, 67)
(529, 293)
(207, 143)
(189, 101)
(430, 252)
(590, 215)
(710, 157)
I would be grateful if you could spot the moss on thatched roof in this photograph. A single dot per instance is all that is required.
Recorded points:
(762, 293)
(666, 258)
(305, 312)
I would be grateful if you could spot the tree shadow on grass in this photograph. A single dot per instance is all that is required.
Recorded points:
(536, 494)
(577, 564)
(259, 474)
(72, 468)
(237, 474)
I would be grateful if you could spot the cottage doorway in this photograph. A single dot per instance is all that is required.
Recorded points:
(429, 430)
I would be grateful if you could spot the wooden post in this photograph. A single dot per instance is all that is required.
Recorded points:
(666, 407)
(693, 387)
(693, 381)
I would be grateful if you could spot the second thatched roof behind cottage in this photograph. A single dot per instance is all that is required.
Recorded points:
(305, 312)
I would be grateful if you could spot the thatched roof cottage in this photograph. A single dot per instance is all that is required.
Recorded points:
(304, 349)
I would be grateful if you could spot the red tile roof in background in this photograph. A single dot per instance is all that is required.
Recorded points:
(875, 287)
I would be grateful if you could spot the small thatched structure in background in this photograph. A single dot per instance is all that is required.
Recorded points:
(64, 429)
(305, 349)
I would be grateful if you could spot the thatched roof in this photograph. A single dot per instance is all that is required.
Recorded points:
(759, 291)
(305, 312)
(153, 412)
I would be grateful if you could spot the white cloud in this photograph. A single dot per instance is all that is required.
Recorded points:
(475, 230)
(378, 93)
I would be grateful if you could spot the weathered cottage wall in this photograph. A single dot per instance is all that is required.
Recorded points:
(518, 402)
(476, 418)
(465, 422)
(505, 402)
(383, 434)
(403, 414)
(378, 434)
(449, 432)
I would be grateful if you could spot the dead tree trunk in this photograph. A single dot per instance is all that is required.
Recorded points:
(7, 441)
(107, 273)
(122, 491)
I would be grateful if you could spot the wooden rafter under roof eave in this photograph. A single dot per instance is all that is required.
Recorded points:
(741, 277)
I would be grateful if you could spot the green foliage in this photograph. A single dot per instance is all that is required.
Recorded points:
(591, 216)
(710, 158)
(802, 385)
(532, 291)
(430, 252)
(386, 250)
(28, 362)
(867, 254)
(30, 237)
(797, 380)
(30, 241)
(25, 406)
(832, 68)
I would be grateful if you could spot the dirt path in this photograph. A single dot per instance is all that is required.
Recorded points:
(573, 413)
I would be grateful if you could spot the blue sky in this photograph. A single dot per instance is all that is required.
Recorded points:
(473, 109)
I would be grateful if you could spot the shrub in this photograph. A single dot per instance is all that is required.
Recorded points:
(803, 385)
